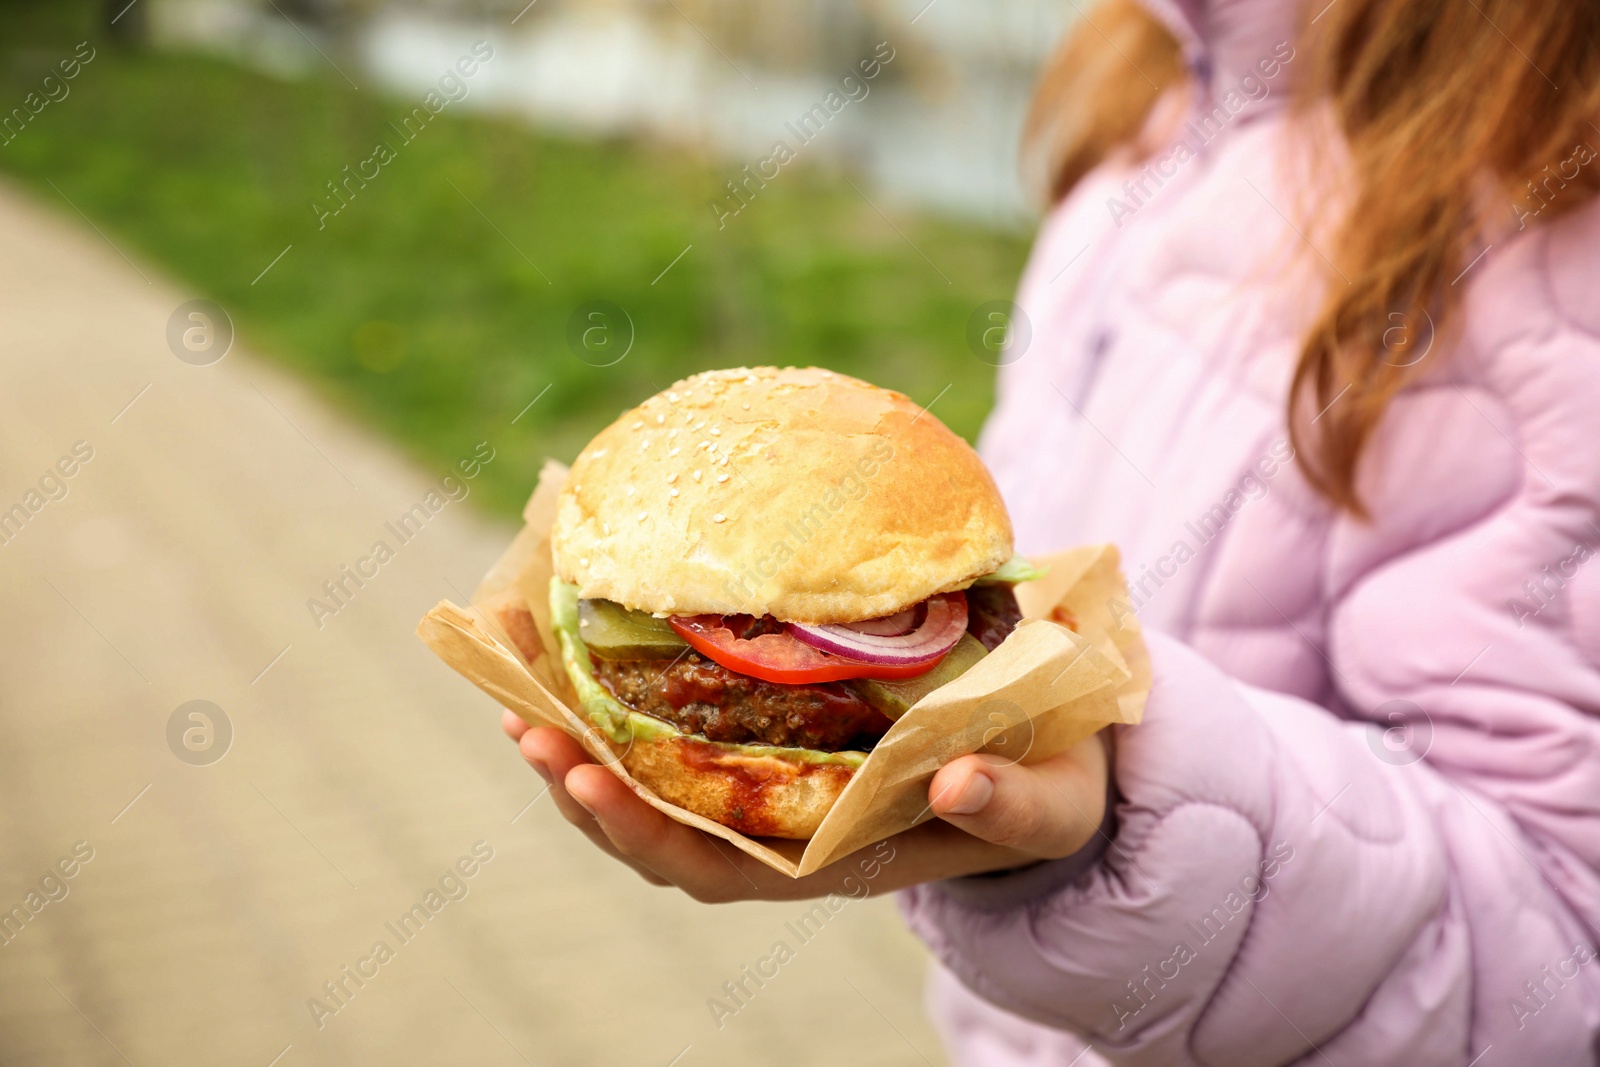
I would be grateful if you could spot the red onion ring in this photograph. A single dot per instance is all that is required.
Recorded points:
(942, 626)
(901, 622)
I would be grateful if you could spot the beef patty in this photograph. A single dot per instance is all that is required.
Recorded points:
(701, 697)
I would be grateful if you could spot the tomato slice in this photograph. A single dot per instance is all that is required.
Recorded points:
(779, 657)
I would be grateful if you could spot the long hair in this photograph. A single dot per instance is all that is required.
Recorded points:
(1458, 120)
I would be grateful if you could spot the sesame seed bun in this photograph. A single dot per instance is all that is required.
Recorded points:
(758, 795)
(795, 492)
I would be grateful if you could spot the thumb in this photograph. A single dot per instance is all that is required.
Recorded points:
(1048, 809)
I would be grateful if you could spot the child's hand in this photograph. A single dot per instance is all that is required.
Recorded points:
(992, 815)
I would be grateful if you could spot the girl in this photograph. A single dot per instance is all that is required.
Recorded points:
(1317, 344)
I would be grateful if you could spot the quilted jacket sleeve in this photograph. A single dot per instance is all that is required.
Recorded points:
(1417, 883)
(1297, 894)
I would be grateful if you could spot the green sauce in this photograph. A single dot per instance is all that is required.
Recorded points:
(622, 725)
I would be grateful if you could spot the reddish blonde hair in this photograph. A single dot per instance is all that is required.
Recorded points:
(1444, 107)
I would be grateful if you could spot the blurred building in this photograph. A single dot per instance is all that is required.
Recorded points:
(937, 127)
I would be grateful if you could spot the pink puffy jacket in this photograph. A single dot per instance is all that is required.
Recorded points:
(1360, 824)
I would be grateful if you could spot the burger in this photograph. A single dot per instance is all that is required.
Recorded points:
(758, 571)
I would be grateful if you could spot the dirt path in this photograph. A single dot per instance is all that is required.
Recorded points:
(220, 897)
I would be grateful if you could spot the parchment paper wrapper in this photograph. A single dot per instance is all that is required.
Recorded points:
(1043, 690)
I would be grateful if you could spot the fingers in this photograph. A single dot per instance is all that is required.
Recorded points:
(930, 852)
(1049, 809)
(512, 725)
(1012, 819)
(596, 801)
(695, 862)
(554, 755)
(666, 852)
(551, 751)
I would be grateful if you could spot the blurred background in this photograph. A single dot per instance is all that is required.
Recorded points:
(269, 271)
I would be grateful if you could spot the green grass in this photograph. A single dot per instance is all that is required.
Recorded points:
(432, 322)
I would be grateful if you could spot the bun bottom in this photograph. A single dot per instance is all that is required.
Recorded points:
(760, 796)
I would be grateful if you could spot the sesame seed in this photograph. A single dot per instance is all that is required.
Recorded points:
(672, 433)
(673, 451)
(745, 406)
(638, 425)
(660, 419)
(719, 517)
(722, 477)
(643, 515)
(715, 432)
(672, 492)
(672, 477)
(606, 526)
(630, 490)
(700, 425)
(704, 444)
(584, 562)
(697, 476)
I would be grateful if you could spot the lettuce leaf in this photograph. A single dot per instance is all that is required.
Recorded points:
(1014, 570)
(621, 724)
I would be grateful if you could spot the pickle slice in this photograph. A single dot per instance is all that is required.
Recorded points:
(611, 631)
(895, 697)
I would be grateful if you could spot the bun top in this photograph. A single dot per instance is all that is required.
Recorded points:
(795, 492)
